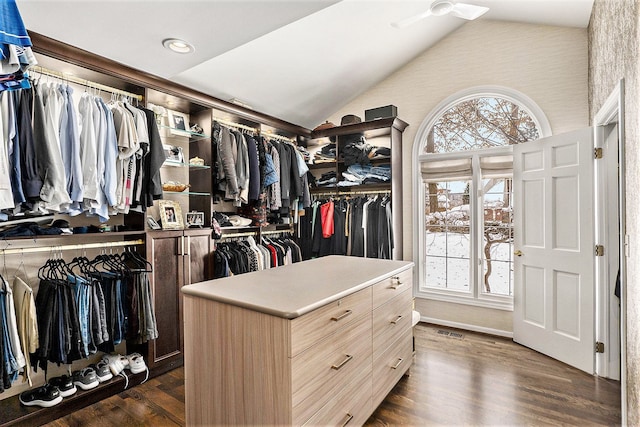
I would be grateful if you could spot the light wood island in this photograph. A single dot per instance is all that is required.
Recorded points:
(321, 342)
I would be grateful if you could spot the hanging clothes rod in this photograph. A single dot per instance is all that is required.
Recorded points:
(254, 130)
(71, 78)
(71, 247)
(269, 232)
(244, 234)
(351, 193)
(275, 136)
(235, 125)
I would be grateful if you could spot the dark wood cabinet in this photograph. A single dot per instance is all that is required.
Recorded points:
(199, 257)
(165, 249)
(179, 258)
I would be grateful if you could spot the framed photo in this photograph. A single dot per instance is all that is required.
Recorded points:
(178, 122)
(195, 219)
(170, 215)
(153, 224)
(173, 154)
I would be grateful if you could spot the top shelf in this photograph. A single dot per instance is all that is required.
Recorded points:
(370, 129)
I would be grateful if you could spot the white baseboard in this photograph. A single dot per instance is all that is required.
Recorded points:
(474, 328)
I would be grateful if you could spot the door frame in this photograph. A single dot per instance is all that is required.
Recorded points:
(611, 112)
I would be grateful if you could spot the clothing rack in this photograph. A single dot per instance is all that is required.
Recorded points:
(9, 251)
(350, 193)
(253, 130)
(243, 234)
(275, 136)
(236, 125)
(270, 232)
(71, 78)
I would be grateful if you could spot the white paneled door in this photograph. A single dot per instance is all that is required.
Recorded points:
(554, 296)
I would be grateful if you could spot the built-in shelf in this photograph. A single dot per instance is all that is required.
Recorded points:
(170, 134)
(169, 163)
(187, 193)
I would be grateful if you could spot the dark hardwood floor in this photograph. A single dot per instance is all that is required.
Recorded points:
(458, 378)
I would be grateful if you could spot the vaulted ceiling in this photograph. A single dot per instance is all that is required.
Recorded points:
(298, 60)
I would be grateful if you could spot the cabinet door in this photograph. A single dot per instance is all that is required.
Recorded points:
(198, 263)
(165, 249)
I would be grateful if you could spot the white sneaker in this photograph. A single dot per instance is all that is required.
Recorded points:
(116, 362)
(136, 365)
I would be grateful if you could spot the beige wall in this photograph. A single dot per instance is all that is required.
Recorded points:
(548, 64)
(613, 54)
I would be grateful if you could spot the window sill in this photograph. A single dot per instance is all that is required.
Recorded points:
(494, 302)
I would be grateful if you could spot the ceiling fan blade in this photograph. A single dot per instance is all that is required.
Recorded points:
(468, 11)
(413, 19)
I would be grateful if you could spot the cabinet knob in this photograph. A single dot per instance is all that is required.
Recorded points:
(518, 253)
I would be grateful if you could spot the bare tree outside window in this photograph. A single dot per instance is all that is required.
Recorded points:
(473, 124)
(481, 123)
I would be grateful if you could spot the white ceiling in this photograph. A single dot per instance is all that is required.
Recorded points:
(298, 60)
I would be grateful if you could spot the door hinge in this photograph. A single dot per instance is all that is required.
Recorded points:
(597, 153)
(599, 250)
(599, 347)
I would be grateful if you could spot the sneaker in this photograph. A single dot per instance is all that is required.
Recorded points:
(86, 379)
(115, 362)
(136, 365)
(45, 396)
(64, 384)
(102, 371)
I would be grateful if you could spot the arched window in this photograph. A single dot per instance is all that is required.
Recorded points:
(481, 122)
(464, 192)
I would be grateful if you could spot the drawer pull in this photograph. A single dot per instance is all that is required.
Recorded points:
(395, 283)
(342, 316)
(397, 364)
(341, 364)
(348, 418)
(396, 320)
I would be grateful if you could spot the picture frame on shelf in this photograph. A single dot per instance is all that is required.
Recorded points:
(170, 215)
(178, 122)
(152, 223)
(174, 155)
(195, 219)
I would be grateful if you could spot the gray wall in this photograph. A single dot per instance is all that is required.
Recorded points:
(613, 54)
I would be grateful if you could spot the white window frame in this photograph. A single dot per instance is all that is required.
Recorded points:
(475, 296)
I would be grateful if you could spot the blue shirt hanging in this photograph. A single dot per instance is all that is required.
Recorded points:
(12, 30)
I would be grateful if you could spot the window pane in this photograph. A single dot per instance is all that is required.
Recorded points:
(481, 122)
(447, 235)
(497, 237)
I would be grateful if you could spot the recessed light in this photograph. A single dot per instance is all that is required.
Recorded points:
(178, 46)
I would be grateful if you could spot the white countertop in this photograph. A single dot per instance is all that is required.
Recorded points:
(293, 290)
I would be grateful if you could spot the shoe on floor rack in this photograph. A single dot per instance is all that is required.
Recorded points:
(86, 378)
(136, 365)
(64, 384)
(45, 396)
(103, 372)
(116, 364)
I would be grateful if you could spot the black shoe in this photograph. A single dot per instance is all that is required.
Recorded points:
(45, 396)
(64, 384)
(86, 379)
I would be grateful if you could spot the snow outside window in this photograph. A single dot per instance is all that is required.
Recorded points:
(464, 192)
